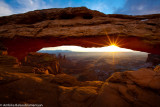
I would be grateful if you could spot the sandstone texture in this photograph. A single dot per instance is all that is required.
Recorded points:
(42, 63)
(130, 88)
(78, 22)
(139, 88)
(78, 26)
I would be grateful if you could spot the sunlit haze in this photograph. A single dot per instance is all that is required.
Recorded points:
(111, 48)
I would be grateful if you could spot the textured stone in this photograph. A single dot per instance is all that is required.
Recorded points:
(65, 80)
(42, 63)
(41, 28)
(130, 88)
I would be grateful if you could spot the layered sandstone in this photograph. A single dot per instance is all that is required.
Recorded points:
(42, 63)
(78, 22)
(80, 26)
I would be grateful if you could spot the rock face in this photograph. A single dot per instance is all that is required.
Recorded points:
(139, 88)
(51, 14)
(78, 22)
(131, 88)
(42, 63)
(154, 59)
(77, 26)
(65, 80)
(8, 61)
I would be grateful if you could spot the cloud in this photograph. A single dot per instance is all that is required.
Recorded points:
(131, 7)
(22, 6)
(5, 9)
(140, 7)
(99, 6)
(30, 5)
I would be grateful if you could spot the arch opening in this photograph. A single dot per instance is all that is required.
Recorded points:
(96, 63)
(21, 46)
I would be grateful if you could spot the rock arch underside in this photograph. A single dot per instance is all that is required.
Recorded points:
(21, 34)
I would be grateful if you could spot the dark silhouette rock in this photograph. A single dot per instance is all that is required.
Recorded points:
(154, 59)
(60, 56)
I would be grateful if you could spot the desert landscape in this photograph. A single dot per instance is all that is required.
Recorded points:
(30, 76)
(89, 66)
(42, 76)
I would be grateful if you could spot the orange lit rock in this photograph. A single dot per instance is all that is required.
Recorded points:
(122, 89)
(9, 61)
(40, 71)
(130, 88)
(65, 80)
(42, 63)
(77, 96)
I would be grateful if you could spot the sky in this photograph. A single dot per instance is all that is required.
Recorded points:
(111, 48)
(129, 7)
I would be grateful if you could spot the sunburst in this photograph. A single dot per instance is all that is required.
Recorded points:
(114, 41)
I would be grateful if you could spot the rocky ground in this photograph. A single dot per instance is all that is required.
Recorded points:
(18, 84)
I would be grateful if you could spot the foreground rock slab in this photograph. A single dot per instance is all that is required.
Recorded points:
(131, 88)
(139, 88)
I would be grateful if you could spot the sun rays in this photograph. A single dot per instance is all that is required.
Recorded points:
(108, 41)
(112, 48)
(109, 44)
(114, 41)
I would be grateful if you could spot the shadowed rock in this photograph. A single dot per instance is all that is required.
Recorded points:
(154, 59)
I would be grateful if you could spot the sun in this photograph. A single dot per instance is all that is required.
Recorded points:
(114, 48)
